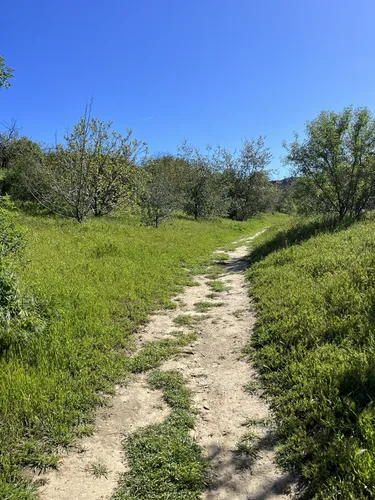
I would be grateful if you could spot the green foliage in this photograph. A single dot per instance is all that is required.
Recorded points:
(338, 157)
(159, 189)
(165, 461)
(21, 161)
(98, 282)
(11, 233)
(154, 353)
(203, 307)
(6, 73)
(246, 175)
(314, 346)
(93, 172)
(187, 320)
(204, 187)
(217, 286)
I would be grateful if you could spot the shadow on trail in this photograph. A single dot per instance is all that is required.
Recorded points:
(222, 480)
(238, 265)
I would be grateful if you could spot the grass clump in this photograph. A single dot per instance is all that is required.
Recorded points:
(315, 348)
(214, 272)
(203, 307)
(217, 286)
(221, 257)
(154, 353)
(98, 470)
(187, 320)
(164, 460)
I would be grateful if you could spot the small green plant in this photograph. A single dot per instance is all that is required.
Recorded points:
(217, 286)
(221, 257)
(238, 313)
(154, 353)
(253, 386)
(259, 422)
(246, 452)
(203, 307)
(187, 320)
(214, 272)
(98, 470)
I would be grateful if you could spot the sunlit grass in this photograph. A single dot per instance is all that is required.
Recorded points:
(98, 282)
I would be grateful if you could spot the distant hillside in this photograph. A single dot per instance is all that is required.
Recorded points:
(287, 182)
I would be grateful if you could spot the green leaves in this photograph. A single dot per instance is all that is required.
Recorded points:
(338, 156)
(6, 73)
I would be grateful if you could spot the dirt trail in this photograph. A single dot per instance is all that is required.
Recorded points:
(216, 371)
(92, 471)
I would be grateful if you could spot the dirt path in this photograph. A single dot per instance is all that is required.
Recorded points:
(217, 372)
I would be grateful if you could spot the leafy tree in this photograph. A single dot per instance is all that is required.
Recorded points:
(338, 157)
(8, 139)
(23, 162)
(247, 177)
(204, 187)
(158, 190)
(91, 172)
(6, 73)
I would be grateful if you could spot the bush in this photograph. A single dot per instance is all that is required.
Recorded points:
(314, 345)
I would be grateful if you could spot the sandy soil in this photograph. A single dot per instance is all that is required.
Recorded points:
(133, 406)
(216, 371)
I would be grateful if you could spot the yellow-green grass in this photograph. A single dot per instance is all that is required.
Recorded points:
(99, 281)
(314, 344)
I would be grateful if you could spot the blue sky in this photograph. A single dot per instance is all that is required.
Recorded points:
(211, 71)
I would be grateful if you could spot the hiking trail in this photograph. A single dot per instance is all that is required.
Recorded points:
(218, 372)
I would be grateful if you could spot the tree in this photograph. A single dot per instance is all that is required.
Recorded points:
(24, 166)
(91, 172)
(158, 190)
(338, 158)
(204, 187)
(6, 73)
(247, 177)
(7, 140)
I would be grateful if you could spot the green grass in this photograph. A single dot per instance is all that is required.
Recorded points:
(188, 320)
(154, 353)
(98, 470)
(314, 344)
(203, 307)
(220, 257)
(96, 283)
(214, 272)
(164, 460)
(217, 286)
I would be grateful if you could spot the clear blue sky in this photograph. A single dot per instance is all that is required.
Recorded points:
(211, 71)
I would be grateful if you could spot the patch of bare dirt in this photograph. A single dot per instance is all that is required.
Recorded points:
(91, 472)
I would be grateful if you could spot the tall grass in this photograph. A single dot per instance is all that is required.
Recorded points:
(315, 347)
(96, 283)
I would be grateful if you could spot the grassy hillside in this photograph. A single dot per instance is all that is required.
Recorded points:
(97, 281)
(315, 346)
